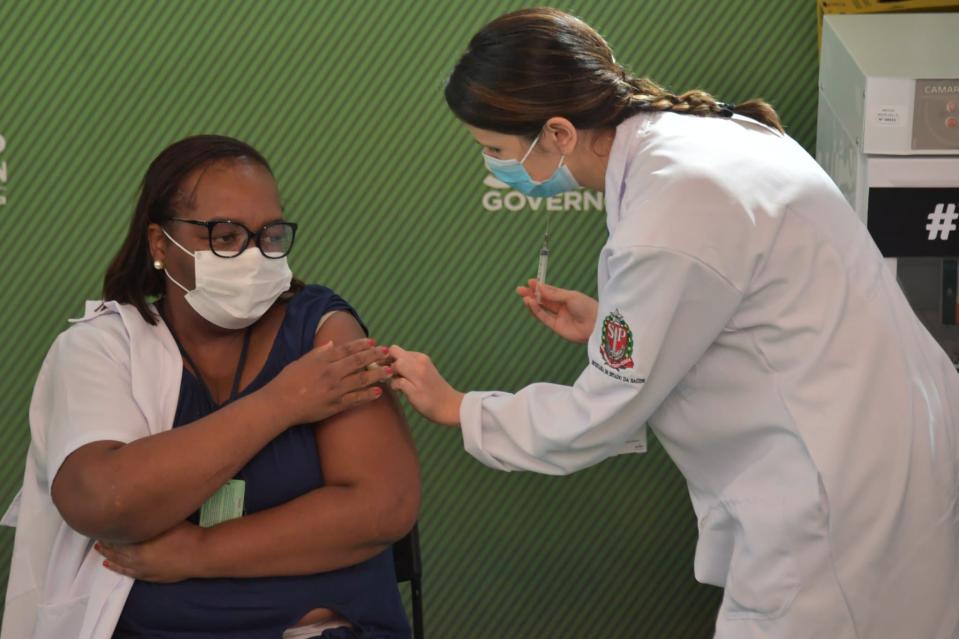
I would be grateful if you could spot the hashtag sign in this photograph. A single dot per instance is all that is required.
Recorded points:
(942, 222)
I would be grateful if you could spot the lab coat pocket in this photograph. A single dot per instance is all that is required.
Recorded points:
(714, 548)
(21, 578)
(13, 511)
(62, 619)
(763, 577)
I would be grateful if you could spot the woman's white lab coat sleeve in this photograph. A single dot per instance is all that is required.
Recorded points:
(111, 376)
(87, 395)
(659, 311)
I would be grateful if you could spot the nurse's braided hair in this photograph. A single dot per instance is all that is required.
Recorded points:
(530, 65)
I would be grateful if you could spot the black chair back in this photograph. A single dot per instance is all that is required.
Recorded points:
(406, 559)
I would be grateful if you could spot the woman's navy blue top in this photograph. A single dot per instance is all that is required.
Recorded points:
(366, 594)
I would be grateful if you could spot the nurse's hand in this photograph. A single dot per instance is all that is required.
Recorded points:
(328, 380)
(431, 395)
(171, 557)
(569, 314)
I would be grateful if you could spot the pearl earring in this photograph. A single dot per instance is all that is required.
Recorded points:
(158, 265)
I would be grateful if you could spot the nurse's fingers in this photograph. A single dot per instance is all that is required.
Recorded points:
(361, 360)
(114, 560)
(357, 353)
(360, 397)
(529, 303)
(346, 349)
(104, 550)
(549, 297)
(528, 291)
(365, 379)
(402, 385)
(114, 551)
(416, 368)
(406, 362)
(109, 565)
(551, 294)
(540, 313)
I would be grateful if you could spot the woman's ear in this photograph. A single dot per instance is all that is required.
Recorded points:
(157, 242)
(560, 136)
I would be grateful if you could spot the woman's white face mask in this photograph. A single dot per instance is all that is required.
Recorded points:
(237, 291)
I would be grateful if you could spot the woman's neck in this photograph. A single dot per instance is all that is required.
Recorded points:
(190, 328)
(590, 159)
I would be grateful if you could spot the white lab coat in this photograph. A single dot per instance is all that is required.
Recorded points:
(111, 376)
(778, 362)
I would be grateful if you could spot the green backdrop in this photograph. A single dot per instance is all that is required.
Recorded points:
(345, 99)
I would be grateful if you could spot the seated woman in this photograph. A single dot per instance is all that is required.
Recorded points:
(269, 508)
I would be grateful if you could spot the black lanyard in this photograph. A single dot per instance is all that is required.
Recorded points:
(196, 370)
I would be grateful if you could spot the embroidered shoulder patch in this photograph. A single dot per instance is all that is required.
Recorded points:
(616, 345)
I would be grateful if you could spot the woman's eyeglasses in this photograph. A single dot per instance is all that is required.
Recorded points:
(230, 239)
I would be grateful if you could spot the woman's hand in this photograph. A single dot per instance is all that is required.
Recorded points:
(330, 379)
(569, 314)
(424, 387)
(173, 556)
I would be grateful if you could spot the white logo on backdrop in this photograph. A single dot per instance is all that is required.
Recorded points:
(942, 222)
(3, 171)
(499, 197)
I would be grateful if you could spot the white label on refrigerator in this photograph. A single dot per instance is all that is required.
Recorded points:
(890, 116)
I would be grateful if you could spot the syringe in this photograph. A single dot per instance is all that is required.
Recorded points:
(543, 264)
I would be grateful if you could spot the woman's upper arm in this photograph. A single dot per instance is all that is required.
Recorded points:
(82, 410)
(75, 489)
(370, 447)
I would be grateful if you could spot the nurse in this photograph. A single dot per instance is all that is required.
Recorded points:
(746, 316)
(210, 456)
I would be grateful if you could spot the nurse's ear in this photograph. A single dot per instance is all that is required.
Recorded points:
(559, 136)
(157, 242)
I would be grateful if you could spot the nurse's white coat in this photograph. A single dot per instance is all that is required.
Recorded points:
(111, 376)
(778, 362)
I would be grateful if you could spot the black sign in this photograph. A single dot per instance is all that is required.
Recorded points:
(915, 222)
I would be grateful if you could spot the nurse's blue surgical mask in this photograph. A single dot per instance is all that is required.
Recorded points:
(514, 174)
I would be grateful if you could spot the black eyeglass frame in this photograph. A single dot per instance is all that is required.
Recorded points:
(209, 224)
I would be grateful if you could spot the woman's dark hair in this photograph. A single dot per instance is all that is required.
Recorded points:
(530, 65)
(131, 278)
